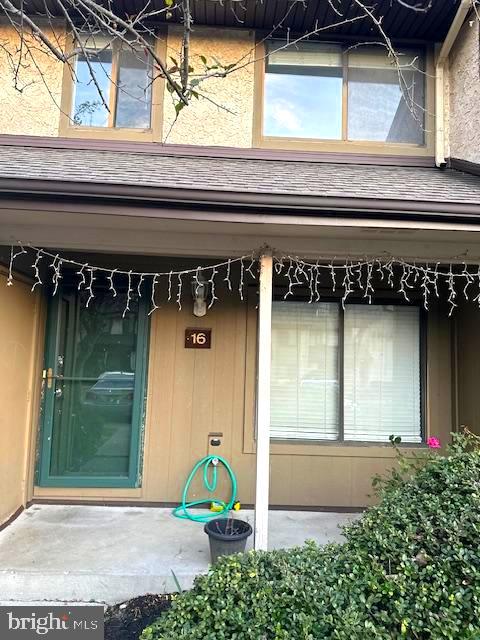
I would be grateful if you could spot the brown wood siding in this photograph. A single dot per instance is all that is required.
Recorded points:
(192, 393)
(21, 341)
(468, 367)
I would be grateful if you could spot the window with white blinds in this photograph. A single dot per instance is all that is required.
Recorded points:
(381, 372)
(305, 371)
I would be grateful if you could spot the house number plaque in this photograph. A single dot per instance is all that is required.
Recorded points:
(198, 338)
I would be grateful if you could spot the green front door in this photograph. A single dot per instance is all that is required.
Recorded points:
(94, 390)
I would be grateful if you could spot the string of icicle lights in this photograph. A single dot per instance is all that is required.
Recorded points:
(174, 280)
(358, 276)
(346, 276)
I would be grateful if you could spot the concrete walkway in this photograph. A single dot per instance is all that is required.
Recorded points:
(110, 554)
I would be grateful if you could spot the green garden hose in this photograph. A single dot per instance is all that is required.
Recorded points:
(210, 483)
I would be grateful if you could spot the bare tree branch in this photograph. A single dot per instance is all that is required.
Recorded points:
(187, 77)
(112, 27)
(10, 9)
(187, 28)
(78, 40)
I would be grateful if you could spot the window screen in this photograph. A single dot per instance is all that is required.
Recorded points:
(385, 104)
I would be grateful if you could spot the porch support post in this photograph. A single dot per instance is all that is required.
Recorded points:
(263, 401)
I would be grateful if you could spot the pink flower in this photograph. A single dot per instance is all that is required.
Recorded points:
(434, 443)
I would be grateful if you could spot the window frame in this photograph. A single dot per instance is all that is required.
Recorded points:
(333, 448)
(344, 146)
(379, 301)
(151, 134)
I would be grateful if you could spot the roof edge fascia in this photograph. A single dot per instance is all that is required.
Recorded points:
(251, 204)
(465, 166)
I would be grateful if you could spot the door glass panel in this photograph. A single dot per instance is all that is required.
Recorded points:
(93, 401)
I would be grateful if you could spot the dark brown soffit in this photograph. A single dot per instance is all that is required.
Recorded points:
(397, 19)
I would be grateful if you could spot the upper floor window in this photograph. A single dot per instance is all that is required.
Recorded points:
(111, 91)
(124, 79)
(320, 91)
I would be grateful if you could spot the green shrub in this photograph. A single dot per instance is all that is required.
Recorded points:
(410, 568)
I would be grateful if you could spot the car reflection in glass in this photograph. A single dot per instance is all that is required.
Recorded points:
(112, 394)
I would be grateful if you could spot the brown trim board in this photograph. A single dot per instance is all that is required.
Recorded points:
(204, 204)
(12, 518)
(166, 149)
(465, 166)
(172, 505)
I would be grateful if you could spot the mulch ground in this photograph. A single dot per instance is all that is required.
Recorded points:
(127, 620)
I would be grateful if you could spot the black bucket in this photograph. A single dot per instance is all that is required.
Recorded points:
(227, 536)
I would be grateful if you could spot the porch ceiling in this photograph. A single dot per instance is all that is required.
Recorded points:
(151, 232)
(397, 19)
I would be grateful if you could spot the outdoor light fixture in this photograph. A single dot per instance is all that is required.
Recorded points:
(200, 288)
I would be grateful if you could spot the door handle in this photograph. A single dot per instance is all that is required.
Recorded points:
(58, 392)
(48, 376)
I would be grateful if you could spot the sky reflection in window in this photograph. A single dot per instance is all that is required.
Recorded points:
(303, 106)
(89, 109)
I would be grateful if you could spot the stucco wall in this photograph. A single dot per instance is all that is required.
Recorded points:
(19, 341)
(464, 85)
(224, 115)
(31, 105)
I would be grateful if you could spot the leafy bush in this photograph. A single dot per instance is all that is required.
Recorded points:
(410, 568)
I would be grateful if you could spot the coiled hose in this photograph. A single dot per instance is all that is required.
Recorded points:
(210, 477)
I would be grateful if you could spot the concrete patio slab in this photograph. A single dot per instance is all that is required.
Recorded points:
(109, 554)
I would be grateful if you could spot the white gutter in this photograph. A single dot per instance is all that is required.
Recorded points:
(441, 60)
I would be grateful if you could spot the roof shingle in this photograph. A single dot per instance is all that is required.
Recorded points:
(239, 175)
